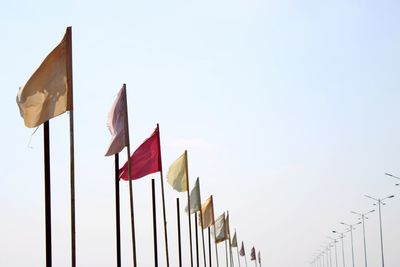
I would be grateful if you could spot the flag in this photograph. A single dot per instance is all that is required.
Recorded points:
(259, 257)
(220, 229)
(207, 209)
(253, 254)
(228, 234)
(145, 160)
(195, 201)
(241, 252)
(48, 92)
(234, 241)
(117, 124)
(177, 175)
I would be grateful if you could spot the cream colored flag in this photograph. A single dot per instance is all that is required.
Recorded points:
(207, 209)
(220, 229)
(117, 124)
(195, 202)
(177, 175)
(48, 92)
(228, 234)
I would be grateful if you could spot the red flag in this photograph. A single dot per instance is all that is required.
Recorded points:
(242, 253)
(145, 160)
(253, 254)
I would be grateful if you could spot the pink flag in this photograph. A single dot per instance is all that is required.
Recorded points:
(241, 252)
(117, 124)
(145, 160)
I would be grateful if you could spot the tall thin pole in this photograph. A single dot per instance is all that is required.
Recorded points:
(179, 232)
(209, 246)
(117, 211)
(128, 151)
(196, 238)
(365, 244)
(237, 249)
(215, 234)
(335, 252)
(380, 227)
(154, 223)
(190, 224)
(342, 236)
(202, 230)
(352, 248)
(71, 146)
(163, 201)
(245, 259)
(47, 191)
(226, 253)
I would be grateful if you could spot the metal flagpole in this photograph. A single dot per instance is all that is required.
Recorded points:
(196, 237)
(209, 246)
(117, 211)
(190, 224)
(153, 194)
(163, 200)
(47, 191)
(179, 232)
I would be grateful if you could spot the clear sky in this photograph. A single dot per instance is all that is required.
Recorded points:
(289, 110)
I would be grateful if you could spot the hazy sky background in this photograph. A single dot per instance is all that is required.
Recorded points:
(288, 109)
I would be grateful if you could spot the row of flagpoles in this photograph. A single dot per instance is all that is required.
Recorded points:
(48, 93)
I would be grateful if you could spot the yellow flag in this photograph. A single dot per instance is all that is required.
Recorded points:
(207, 209)
(48, 92)
(177, 175)
(234, 241)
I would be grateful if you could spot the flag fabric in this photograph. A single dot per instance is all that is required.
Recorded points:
(207, 209)
(220, 229)
(228, 234)
(48, 92)
(195, 202)
(177, 175)
(145, 160)
(117, 124)
(259, 257)
(241, 252)
(234, 241)
(253, 254)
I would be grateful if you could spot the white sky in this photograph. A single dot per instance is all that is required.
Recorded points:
(289, 111)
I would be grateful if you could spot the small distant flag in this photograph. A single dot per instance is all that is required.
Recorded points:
(253, 254)
(207, 210)
(195, 202)
(234, 241)
(177, 175)
(241, 252)
(259, 257)
(145, 160)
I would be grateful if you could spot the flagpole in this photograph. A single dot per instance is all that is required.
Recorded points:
(209, 245)
(230, 244)
(71, 132)
(190, 224)
(237, 250)
(47, 191)
(197, 238)
(215, 237)
(163, 200)
(226, 252)
(117, 211)
(153, 193)
(128, 150)
(202, 230)
(179, 232)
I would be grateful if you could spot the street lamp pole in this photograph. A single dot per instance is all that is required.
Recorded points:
(379, 201)
(334, 241)
(363, 217)
(341, 237)
(351, 227)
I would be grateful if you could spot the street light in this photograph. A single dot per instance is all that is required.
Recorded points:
(334, 241)
(341, 236)
(394, 176)
(379, 201)
(351, 227)
(363, 217)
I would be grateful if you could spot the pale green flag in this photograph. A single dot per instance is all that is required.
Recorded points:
(195, 202)
(177, 175)
(234, 241)
(220, 229)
